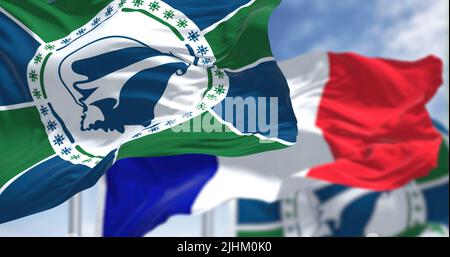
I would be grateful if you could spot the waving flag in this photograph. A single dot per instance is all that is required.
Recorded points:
(364, 124)
(418, 209)
(86, 83)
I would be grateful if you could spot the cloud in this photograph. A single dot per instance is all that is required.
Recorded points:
(422, 29)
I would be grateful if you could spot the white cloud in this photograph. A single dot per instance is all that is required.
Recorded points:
(423, 31)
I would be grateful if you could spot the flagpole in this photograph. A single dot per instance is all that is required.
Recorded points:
(208, 224)
(101, 197)
(75, 216)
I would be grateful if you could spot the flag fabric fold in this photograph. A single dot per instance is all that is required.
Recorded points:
(156, 189)
(372, 115)
(14, 88)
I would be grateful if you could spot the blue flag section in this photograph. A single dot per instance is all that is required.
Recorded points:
(143, 193)
(266, 82)
(50, 180)
(251, 212)
(217, 10)
(13, 63)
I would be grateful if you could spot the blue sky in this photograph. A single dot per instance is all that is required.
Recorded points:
(401, 29)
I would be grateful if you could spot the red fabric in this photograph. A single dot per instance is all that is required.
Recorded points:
(374, 119)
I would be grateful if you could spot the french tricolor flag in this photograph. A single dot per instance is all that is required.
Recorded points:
(362, 123)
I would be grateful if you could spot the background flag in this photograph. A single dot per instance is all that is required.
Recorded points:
(322, 86)
(418, 209)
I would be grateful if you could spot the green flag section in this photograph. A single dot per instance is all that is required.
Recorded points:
(442, 170)
(426, 230)
(279, 232)
(203, 135)
(51, 20)
(23, 142)
(243, 39)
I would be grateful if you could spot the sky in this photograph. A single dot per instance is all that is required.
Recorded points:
(400, 29)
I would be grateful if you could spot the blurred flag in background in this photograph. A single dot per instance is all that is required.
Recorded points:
(419, 209)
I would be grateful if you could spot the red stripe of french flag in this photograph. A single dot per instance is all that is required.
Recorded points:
(372, 114)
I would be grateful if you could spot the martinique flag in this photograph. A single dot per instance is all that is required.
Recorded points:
(86, 83)
(89, 83)
(418, 209)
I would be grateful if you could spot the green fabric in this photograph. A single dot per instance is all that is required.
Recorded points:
(263, 233)
(442, 169)
(244, 38)
(163, 22)
(223, 143)
(52, 21)
(418, 230)
(23, 142)
(233, 41)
